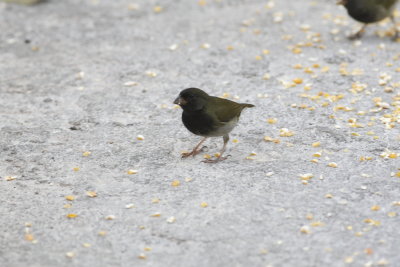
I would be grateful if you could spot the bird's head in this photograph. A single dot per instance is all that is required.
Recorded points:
(342, 2)
(192, 99)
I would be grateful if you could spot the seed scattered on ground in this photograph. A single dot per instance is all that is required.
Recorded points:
(204, 204)
(70, 197)
(91, 194)
(176, 183)
(132, 171)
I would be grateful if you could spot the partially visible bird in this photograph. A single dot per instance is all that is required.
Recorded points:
(370, 11)
(208, 116)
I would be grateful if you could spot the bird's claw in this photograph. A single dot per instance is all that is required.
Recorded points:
(396, 37)
(193, 152)
(354, 37)
(215, 160)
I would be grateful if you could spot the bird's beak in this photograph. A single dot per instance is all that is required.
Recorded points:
(341, 2)
(179, 101)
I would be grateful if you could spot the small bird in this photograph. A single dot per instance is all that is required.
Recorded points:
(370, 11)
(208, 116)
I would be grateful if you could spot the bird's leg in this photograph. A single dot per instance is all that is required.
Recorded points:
(220, 158)
(195, 150)
(358, 34)
(396, 31)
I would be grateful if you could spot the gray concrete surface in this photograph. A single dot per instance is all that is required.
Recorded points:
(76, 76)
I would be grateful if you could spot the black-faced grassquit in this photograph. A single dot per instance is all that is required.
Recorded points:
(208, 116)
(370, 11)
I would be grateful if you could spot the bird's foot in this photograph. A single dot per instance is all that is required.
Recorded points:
(396, 37)
(218, 159)
(355, 36)
(193, 152)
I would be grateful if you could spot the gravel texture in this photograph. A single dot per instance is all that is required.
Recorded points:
(90, 76)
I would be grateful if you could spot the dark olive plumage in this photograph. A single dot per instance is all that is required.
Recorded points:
(208, 116)
(369, 11)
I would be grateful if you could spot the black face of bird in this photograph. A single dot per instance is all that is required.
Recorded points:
(191, 100)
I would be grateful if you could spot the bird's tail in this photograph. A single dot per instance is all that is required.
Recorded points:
(245, 105)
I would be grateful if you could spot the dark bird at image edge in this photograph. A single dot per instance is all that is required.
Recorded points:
(370, 11)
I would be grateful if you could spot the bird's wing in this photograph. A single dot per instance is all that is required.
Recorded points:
(388, 4)
(225, 110)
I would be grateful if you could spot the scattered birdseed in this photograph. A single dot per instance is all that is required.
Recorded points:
(305, 229)
(171, 219)
(235, 141)
(270, 139)
(332, 164)
(147, 248)
(306, 177)
(29, 237)
(151, 74)
(140, 137)
(316, 144)
(328, 196)
(188, 179)
(132, 171)
(348, 260)
(157, 214)
(309, 216)
(157, 9)
(375, 208)
(70, 254)
(176, 183)
(86, 153)
(272, 120)
(205, 46)
(392, 214)
(204, 204)
(86, 245)
(155, 200)
(142, 256)
(91, 194)
(133, 6)
(70, 197)
(317, 223)
(269, 174)
(173, 47)
(102, 233)
(130, 83)
(10, 178)
(284, 132)
(298, 81)
(75, 169)
(72, 215)
(266, 76)
(110, 217)
(129, 206)
(368, 251)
